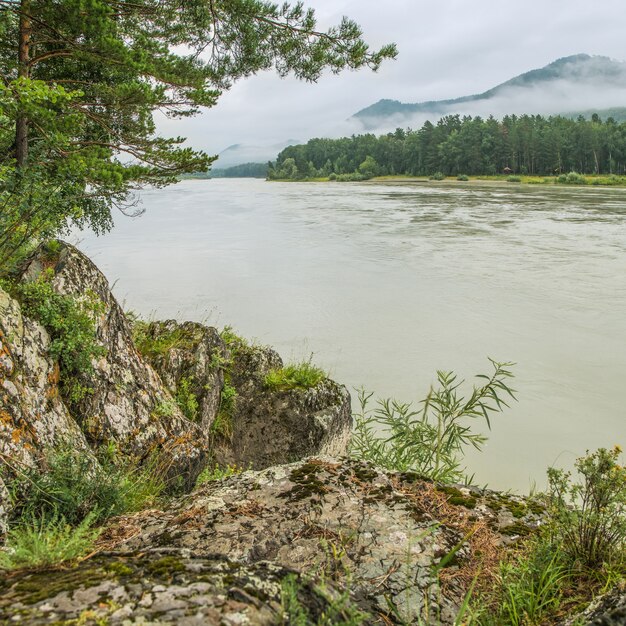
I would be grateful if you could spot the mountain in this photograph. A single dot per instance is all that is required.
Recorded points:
(239, 154)
(579, 82)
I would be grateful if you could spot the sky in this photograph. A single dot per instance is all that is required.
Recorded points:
(446, 49)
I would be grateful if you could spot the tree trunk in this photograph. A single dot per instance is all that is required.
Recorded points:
(23, 52)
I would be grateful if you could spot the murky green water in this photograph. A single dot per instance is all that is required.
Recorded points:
(386, 283)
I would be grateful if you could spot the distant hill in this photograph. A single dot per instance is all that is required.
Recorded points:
(239, 154)
(599, 80)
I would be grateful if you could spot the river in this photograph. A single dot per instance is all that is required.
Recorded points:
(385, 283)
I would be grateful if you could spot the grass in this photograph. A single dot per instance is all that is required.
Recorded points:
(73, 487)
(339, 609)
(302, 375)
(152, 341)
(47, 541)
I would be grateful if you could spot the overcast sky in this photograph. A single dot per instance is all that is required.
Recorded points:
(447, 49)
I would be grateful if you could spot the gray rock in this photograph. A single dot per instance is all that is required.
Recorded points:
(33, 416)
(129, 405)
(271, 427)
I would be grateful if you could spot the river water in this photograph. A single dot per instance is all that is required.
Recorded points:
(385, 283)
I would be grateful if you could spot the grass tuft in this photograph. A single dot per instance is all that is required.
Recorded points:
(47, 541)
(295, 376)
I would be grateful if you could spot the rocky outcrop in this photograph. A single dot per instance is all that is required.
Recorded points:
(128, 404)
(190, 359)
(396, 543)
(273, 426)
(606, 610)
(134, 400)
(259, 426)
(161, 587)
(33, 417)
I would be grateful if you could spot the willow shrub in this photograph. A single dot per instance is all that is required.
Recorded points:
(430, 440)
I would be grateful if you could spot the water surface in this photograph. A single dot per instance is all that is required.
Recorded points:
(386, 283)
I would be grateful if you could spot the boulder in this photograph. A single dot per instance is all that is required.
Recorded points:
(395, 546)
(128, 404)
(273, 426)
(255, 426)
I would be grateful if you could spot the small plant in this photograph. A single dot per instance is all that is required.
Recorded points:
(70, 322)
(152, 341)
(430, 441)
(231, 338)
(164, 408)
(217, 472)
(531, 585)
(47, 541)
(589, 516)
(462, 178)
(437, 176)
(302, 375)
(186, 399)
(223, 423)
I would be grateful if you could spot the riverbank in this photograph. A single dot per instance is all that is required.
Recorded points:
(564, 180)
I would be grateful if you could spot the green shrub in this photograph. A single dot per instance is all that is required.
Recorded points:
(513, 179)
(152, 341)
(574, 178)
(431, 440)
(47, 541)
(589, 516)
(69, 321)
(73, 487)
(302, 375)
(437, 176)
(332, 176)
(223, 423)
(462, 177)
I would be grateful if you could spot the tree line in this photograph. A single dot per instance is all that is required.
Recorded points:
(526, 144)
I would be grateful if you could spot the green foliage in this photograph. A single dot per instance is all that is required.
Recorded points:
(73, 487)
(186, 398)
(231, 338)
(245, 170)
(589, 516)
(577, 551)
(70, 322)
(438, 176)
(573, 178)
(462, 178)
(152, 341)
(302, 375)
(217, 472)
(429, 441)
(369, 168)
(46, 541)
(513, 179)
